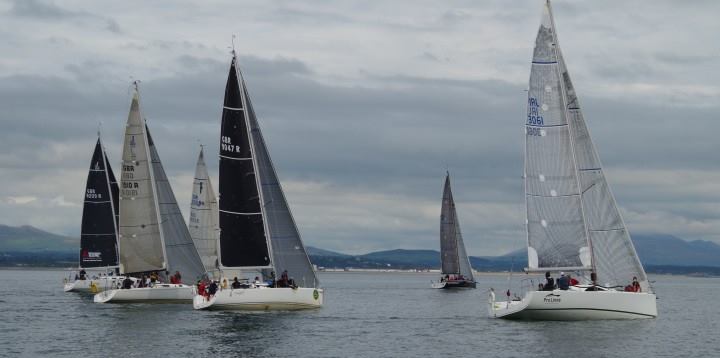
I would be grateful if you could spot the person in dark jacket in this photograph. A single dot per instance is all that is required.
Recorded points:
(549, 282)
(127, 283)
(563, 282)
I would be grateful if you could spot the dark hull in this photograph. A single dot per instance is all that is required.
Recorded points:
(459, 284)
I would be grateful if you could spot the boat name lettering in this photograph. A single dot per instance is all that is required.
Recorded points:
(551, 298)
(91, 194)
(534, 117)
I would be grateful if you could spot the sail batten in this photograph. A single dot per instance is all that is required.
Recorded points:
(573, 220)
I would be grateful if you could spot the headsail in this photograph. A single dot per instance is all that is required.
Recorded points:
(243, 240)
(98, 235)
(287, 247)
(203, 223)
(140, 241)
(453, 257)
(180, 250)
(573, 221)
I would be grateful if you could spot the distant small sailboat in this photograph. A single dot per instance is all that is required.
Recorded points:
(98, 233)
(456, 269)
(573, 223)
(258, 235)
(153, 236)
(203, 224)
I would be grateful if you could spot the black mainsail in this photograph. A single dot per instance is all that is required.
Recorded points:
(453, 258)
(98, 234)
(243, 242)
(256, 226)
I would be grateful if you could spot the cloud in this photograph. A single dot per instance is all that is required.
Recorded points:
(364, 107)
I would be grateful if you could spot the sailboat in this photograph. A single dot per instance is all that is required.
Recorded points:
(573, 223)
(456, 269)
(203, 224)
(98, 234)
(153, 236)
(258, 235)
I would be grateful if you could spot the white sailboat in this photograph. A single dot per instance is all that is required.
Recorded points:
(203, 224)
(456, 269)
(258, 235)
(573, 223)
(153, 236)
(98, 233)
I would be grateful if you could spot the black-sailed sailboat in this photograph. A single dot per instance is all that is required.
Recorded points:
(456, 269)
(98, 233)
(258, 235)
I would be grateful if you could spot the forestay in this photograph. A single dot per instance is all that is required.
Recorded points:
(98, 235)
(573, 220)
(203, 223)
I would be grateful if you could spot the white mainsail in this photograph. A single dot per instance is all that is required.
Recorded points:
(140, 239)
(203, 224)
(573, 222)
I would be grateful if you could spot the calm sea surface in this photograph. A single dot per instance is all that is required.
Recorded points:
(365, 315)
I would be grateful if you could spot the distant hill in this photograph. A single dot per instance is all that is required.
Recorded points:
(670, 250)
(28, 238)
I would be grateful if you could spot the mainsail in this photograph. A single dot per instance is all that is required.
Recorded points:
(254, 179)
(243, 240)
(203, 224)
(453, 257)
(98, 234)
(573, 220)
(140, 242)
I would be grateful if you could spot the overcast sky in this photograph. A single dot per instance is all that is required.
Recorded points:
(364, 105)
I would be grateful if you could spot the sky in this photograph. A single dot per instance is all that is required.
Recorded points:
(365, 105)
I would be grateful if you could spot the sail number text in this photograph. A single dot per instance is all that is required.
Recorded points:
(534, 118)
(226, 145)
(91, 194)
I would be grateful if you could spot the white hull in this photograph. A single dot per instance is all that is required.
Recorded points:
(261, 299)
(94, 285)
(160, 293)
(576, 305)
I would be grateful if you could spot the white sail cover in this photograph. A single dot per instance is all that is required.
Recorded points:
(287, 248)
(140, 244)
(453, 258)
(573, 220)
(180, 251)
(203, 223)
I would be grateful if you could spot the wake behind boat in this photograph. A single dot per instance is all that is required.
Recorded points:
(456, 269)
(573, 223)
(153, 237)
(258, 235)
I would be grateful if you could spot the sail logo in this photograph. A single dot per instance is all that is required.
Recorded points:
(91, 256)
(551, 298)
(133, 144)
(97, 166)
